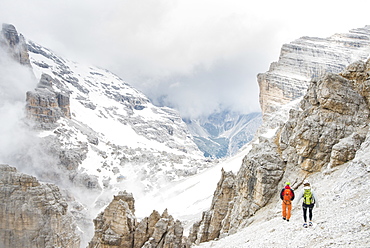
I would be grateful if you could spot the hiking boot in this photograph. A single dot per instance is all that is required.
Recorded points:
(284, 218)
(310, 223)
(287, 220)
(305, 225)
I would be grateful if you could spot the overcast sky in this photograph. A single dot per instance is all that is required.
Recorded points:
(195, 55)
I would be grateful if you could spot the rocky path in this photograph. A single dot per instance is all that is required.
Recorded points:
(341, 220)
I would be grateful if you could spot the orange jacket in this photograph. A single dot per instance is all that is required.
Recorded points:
(283, 192)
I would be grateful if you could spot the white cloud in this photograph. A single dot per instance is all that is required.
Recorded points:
(212, 48)
(15, 81)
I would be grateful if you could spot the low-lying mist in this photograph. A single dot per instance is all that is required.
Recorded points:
(16, 138)
(21, 145)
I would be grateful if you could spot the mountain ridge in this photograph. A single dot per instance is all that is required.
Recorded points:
(110, 137)
(223, 134)
(307, 58)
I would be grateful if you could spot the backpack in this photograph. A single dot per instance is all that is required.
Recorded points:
(287, 195)
(307, 197)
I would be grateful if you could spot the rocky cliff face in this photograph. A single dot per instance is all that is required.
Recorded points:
(325, 131)
(117, 227)
(332, 122)
(15, 44)
(307, 58)
(33, 214)
(213, 221)
(46, 106)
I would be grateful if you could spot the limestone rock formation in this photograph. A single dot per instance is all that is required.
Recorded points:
(215, 220)
(333, 121)
(45, 105)
(14, 44)
(117, 227)
(308, 58)
(326, 131)
(33, 214)
(167, 233)
(238, 197)
(145, 229)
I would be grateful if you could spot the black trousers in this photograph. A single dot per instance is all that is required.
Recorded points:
(309, 207)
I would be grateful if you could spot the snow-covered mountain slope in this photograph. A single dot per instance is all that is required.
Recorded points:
(112, 137)
(223, 134)
(116, 139)
(117, 125)
(186, 199)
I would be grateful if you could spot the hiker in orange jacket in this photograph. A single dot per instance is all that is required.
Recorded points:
(287, 195)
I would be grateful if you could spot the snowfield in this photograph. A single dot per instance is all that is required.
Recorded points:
(187, 199)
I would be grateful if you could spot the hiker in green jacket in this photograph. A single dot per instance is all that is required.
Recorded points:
(309, 201)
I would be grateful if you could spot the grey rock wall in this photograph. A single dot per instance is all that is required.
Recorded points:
(46, 106)
(216, 221)
(14, 44)
(33, 215)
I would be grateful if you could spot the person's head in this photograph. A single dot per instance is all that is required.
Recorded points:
(306, 184)
(287, 185)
